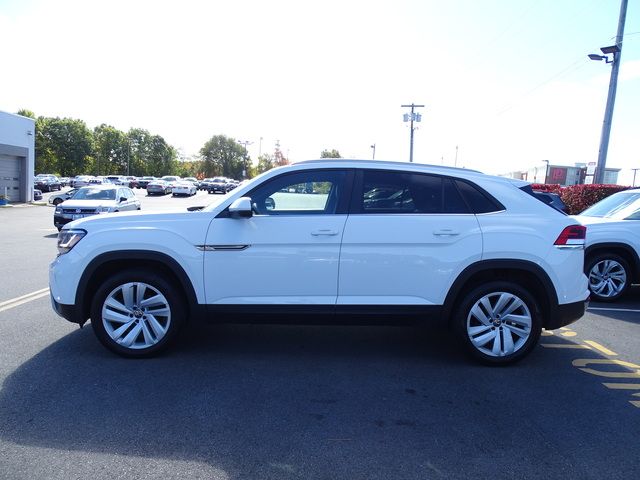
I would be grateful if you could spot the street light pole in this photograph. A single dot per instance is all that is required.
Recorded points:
(245, 143)
(611, 97)
(373, 147)
(411, 117)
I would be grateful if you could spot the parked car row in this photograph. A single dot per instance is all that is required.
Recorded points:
(218, 185)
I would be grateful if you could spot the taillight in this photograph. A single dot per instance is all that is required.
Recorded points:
(572, 235)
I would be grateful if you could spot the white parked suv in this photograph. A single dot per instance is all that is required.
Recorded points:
(338, 241)
(612, 257)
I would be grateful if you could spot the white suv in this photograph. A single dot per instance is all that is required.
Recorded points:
(332, 240)
(612, 258)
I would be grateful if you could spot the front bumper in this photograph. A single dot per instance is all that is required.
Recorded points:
(62, 219)
(68, 312)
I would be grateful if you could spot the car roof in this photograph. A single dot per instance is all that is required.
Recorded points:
(406, 166)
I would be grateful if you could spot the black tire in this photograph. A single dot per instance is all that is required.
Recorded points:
(609, 276)
(141, 327)
(499, 333)
(57, 201)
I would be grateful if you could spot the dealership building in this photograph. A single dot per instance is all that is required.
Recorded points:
(17, 157)
(546, 172)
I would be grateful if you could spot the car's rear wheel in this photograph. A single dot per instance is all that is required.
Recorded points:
(498, 322)
(137, 313)
(609, 276)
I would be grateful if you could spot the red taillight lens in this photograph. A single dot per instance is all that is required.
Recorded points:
(572, 235)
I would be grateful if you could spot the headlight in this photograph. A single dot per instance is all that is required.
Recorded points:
(103, 209)
(67, 239)
(58, 209)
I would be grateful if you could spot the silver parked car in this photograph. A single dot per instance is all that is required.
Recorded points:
(95, 200)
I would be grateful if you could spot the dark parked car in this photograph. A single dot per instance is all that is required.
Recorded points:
(158, 187)
(144, 181)
(47, 183)
(218, 185)
(133, 182)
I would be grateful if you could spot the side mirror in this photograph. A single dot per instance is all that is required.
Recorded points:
(123, 199)
(241, 208)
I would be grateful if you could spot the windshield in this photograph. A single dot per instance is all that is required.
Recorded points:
(621, 206)
(95, 194)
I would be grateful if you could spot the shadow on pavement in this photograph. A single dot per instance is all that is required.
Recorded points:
(315, 402)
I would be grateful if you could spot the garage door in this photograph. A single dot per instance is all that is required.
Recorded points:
(10, 176)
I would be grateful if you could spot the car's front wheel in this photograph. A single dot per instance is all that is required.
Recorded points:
(137, 313)
(498, 322)
(609, 276)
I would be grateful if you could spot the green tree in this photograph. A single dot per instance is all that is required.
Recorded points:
(188, 168)
(265, 162)
(110, 151)
(162, 156)
(26, 113)
(63, 146)
(222, 155)
(330, 154)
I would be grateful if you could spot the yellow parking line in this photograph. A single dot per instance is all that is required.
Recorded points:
(600, 348)
(623, 386)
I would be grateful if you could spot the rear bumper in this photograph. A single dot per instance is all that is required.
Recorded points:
(566, 314)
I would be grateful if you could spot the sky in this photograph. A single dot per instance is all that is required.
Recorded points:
(506, 84)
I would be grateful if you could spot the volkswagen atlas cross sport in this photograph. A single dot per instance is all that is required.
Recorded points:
(332, 241)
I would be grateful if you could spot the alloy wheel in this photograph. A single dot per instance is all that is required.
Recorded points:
(607, 278)
(499, 324)
(136, 315)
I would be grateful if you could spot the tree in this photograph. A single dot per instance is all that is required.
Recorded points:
(110, 151)
(330, 154)
(223, 156)
(279, 158)
(63, 146)
(26, 113)
(265, 162)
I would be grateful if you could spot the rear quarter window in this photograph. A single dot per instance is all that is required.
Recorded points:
(477, 199)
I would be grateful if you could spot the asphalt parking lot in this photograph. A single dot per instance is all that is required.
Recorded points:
(303, 402)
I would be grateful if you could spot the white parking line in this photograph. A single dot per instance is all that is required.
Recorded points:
(15, 302)
(614, 309)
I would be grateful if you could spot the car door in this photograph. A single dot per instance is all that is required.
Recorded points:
(407, 237)
(287, 253)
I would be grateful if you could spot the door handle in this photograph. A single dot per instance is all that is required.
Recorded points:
(446, 232)
(325, 231)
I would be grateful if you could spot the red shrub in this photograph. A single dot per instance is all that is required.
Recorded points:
(547, 187)
(579, 197)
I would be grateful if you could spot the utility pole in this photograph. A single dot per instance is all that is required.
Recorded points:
(455, 163)
(244, 143)
(634, 176)
(611, 97)
(411, 117)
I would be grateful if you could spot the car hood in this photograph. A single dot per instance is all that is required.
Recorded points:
(88, 203)
(172, 220)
